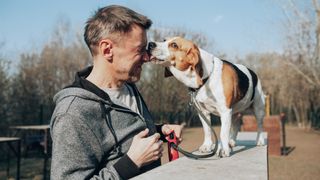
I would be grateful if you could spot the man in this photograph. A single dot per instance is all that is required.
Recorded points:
(101, 127)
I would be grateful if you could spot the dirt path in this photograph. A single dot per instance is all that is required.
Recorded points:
(302, 163)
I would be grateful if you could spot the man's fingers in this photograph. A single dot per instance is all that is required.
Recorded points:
(157, 146)
(155, 137)
(166, 130)
(143, 133)
(178, 133)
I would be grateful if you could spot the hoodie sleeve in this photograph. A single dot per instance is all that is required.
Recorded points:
(76, 151)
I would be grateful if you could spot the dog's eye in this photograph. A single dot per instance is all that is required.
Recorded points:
(164, 40)
(174, 45)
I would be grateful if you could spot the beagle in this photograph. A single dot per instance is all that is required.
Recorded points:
(221, 88)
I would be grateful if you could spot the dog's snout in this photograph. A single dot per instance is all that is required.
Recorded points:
(152, 45)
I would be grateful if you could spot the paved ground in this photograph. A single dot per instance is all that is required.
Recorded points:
(302, 163)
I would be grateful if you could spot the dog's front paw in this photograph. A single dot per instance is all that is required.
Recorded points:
(222, 152)
(205, 148)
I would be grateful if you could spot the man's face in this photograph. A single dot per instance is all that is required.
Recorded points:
(130, 54)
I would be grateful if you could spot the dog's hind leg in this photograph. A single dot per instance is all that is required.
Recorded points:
(206, 146)
(259, 111)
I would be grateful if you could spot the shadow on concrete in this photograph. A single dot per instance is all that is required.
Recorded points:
(285, 151)
(243, 145)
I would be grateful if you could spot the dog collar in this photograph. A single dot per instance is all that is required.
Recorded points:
(196, 89)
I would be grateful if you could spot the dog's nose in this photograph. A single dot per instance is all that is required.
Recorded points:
(151, 45)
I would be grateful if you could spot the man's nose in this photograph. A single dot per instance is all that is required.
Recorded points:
(146, 56)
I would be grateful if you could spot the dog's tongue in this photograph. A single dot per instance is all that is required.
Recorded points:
(152, 58)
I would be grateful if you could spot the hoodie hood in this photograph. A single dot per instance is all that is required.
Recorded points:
(78, 92)
(84, 89)
(81, 82)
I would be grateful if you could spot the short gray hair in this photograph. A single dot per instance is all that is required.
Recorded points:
(110, 22)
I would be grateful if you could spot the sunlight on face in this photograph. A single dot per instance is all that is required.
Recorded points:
(130, 54)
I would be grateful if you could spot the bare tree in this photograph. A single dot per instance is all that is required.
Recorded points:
(41, 75)
(4, 91)
(302, 57)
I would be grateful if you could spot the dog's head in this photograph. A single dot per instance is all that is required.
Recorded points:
(181, 56)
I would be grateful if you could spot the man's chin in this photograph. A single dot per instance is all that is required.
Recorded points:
(134, 79)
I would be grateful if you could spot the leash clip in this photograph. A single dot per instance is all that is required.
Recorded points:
(192, 94)
(172, 142)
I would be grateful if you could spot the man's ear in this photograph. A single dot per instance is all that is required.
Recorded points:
(167, 72)
(105, 48)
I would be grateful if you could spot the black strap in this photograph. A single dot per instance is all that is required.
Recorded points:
(191, 155)
(106, 115)
(195, 89)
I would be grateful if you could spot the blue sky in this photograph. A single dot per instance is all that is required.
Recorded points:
(235, 26)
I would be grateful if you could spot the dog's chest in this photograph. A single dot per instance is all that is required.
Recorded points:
(211, 107)
(208, 102)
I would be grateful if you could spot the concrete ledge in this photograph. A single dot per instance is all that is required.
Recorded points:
(247, 161)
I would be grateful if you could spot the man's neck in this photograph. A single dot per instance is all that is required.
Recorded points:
(103, 78)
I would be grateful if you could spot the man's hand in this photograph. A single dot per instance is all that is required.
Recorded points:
(144, 150)
(167, 128)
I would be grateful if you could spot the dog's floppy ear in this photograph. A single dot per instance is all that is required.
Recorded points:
(193, 55)
(167, 73)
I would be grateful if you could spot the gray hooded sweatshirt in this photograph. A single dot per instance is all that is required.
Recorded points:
(91, 134)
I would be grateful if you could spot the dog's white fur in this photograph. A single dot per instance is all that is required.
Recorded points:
(211, 96)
